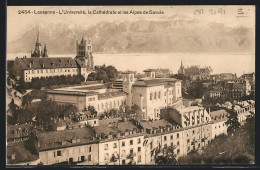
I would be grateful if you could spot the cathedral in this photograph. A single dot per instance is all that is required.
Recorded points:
(196, 72)
(84, 51)
(41, 65)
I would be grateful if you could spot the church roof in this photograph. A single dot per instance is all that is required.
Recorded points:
(49, 63)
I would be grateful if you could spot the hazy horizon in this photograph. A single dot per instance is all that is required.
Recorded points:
(220, 63)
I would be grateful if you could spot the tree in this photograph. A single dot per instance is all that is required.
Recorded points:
(135, 109)
(111, 72)
(232, 121)
(31, 143)
(196, 90)
(12, 107)
(47, 109)
(92, 110)
(102, 75)
(69, 110)
(92, 76)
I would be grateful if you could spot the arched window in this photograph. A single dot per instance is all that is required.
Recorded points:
(151, 96)
(114, 103)
(118, 103)
(102, 106)
(159, 95)
(110, 105)
(106, 106)
(154, 95)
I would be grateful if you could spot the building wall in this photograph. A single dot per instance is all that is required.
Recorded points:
(108, 104)
(75, 152)
(107, 148)
(38, 73)
(218, 128)
(63, 99)
(139, 155)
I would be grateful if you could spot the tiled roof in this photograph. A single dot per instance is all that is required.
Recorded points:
(91, 93)
(92, 87)
(218, 113)
(121, 129)
(50, 63)
(21, 153)
(111, 95)
(21, 127)
(53, 139)
(189, 109)
(154, 82)
(155, 124)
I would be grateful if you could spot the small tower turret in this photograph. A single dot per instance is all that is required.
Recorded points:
(45, 53)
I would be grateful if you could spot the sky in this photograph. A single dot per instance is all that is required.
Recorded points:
(229, 15)
(17, 23)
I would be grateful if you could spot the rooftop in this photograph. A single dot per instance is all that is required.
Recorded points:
(155, 124)
(117, 130)
(189, 109)
(21, 130)
(49, 63)
(110, 94)
(219, 114)
(60, 139)
(154, 82)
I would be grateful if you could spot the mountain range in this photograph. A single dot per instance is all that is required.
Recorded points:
(175, 34)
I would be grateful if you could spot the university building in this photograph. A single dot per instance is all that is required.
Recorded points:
(150, 94)
(41, 65)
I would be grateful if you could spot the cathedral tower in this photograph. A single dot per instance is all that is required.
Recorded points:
(181, 70)
(81, 48)
(37, 51)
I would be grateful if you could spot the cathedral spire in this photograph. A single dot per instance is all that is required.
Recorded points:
(38, 36)
(37, 51)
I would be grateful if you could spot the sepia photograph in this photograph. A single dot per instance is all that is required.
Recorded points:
(130, 85)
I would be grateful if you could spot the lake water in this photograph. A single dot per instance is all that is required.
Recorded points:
(220, 63)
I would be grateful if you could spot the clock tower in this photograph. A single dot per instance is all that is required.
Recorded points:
(128, 81)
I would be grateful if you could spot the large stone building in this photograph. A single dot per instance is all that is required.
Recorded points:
(195, 72)
(96, 95)
(150, 94)
(41, 65)
(235, 89)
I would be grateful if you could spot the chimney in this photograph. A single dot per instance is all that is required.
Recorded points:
(63, 142)
(73, 140)
(30, 65)
(13, 156)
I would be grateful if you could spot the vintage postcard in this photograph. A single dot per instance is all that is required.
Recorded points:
(130, 85)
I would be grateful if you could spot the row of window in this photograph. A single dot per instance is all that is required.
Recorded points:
(59, 152)
(51, 71)
(131, 142)
(29, 78)
(111, 105)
